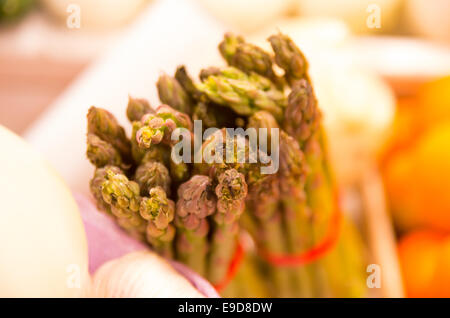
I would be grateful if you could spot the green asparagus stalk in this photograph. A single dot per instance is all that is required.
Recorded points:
(123, 197)
(196, 201)
(159, 211)
(244, 94)
(202, 111)
(95, 186)
(121, 193)
(240, 157)
(213, 115)
(137, 108)
(264, 122)
(252, 174)
(179, 172)
(302, 106)
(152, 174)
(210, 114)
(302, 121)
(249, 281)
(231, 192)
(263, 203)
(263, 119)
(302, 118)
(182, 76)
(101, 153)
(298, 217)
(130, 222)
(289, 57)
(137, 152)
(159, 153)
(103, 124)
(156, 130)
(247, 57)
(209, 71)
(172, 93)
(159, 127)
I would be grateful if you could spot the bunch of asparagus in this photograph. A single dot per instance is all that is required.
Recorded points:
(197, 212)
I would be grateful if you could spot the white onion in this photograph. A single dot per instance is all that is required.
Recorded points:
(141, 275)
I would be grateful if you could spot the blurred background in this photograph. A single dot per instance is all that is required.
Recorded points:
(381, 70)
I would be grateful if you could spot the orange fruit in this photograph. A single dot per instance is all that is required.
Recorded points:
(419, 256)
(397, 176)
(434, 102)
(417, 181)
(402, 132)
(441, 281)
(431, 169)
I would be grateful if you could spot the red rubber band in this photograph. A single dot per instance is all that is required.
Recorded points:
(317, 251)
(291, 260)
(232, 268)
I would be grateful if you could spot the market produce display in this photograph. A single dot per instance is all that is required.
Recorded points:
(200, 213)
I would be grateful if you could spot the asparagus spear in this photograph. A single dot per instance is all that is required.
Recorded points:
(159, 127)
(130, 222)
(249, 281)
(231, 192)
(244, 94)
(179, 172)
(264, 205)
(137, 108)
(152, 174)
(247, 57)
(159, 211)
(196, 201)
(101, 153)
(262, 119)
(159, 153)
(210, 114)
(302, 120)
(103, 124)
(209, 71)
(121, 193)
(171, 115)
(181, 75)
(289, 57)
(267, 122)
(95, 186)
(202, 111)
(246, 170)
(156, 130)
(172, 93)
(123, 197)
(234, 153)
(298, 217)
(137, 153)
